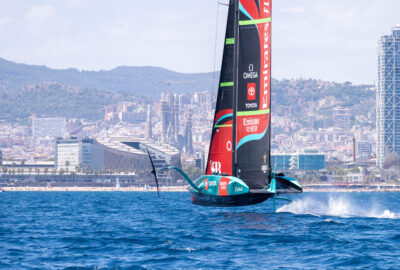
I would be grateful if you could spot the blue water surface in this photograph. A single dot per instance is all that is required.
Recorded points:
(100, 230)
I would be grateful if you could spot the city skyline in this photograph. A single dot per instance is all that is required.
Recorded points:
(313, 39)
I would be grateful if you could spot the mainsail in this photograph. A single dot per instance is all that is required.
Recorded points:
(240, 144)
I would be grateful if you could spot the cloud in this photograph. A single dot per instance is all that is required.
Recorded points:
(293, 10)
(5, 21)
(118, 30)
(74, 3)
(40, 13)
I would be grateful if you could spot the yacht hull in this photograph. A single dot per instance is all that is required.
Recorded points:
(230, 201)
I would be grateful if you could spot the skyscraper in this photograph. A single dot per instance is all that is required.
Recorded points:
(149, 125)
(188, 136)
(388, 96)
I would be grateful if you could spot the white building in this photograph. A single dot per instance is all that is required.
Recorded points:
(79, 155)
(68, 154)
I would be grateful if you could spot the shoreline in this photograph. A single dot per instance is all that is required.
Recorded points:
(371, 188)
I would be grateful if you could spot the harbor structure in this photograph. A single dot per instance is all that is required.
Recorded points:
(388, 96)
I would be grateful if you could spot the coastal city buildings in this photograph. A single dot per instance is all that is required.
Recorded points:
(52, 127)
(388, 96)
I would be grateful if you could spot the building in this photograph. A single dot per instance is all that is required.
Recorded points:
(68, 154)
(149, 124)
(200, 160)
(125, 112)
(30, 167)
(130, 154)
(298, 162)
(189, 137)
(79, 155)
(355, 177)
(92, 156)
(52, 127)
(363, 148)
(169, 115)
(342, 117)
(388, 95)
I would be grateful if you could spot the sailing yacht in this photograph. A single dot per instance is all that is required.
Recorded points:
(239, 170)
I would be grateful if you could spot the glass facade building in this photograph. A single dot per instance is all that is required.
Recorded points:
(79, 155)
(388, 95)
(298, 162)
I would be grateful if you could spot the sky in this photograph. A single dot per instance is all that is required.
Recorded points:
(320, 39)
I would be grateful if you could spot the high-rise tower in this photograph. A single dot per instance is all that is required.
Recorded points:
(388, 96)
(148, 131)
(188, 136)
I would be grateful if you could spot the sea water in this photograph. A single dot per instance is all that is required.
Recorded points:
(120, 230)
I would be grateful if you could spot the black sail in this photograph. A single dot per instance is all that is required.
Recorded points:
(220, 154)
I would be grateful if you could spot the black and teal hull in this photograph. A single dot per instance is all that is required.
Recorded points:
(230, 191)
(226, 191)
(230, 201)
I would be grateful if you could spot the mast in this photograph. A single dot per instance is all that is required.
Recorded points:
(235, 88)
(269, 175)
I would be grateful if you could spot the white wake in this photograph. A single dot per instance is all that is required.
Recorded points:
(337, 206)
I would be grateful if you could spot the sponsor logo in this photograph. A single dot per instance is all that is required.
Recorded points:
(267, 57)
(251, 105)
(251, 74)
(238, 189)
(264, 168)
(223, 185)
(266, 6)
(229, 146)
(216, 166)
(251, 91)
(251, 124)
(212, 183)
(206, 184)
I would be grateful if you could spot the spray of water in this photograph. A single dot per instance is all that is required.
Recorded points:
(337, 206)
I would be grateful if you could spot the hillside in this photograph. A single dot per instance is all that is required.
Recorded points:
(149, 81)
(301, 98)
(26, 90)
(54, 99)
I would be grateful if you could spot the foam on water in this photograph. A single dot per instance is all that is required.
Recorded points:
(338, 206)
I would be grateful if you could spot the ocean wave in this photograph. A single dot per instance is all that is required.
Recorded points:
(336, 206)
